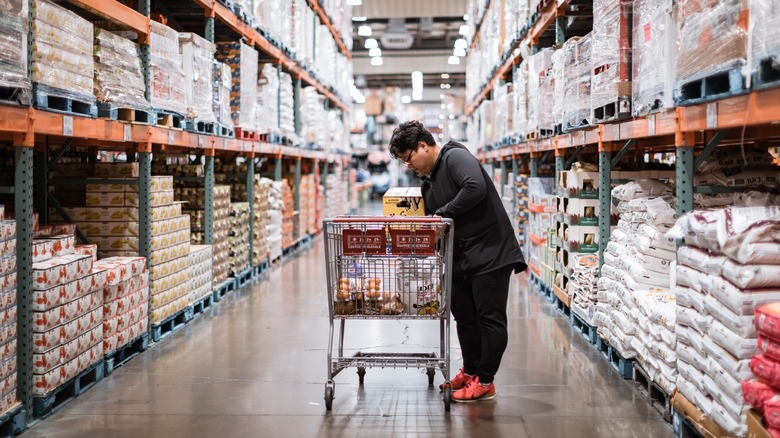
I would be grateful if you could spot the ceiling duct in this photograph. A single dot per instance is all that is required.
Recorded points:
(396, 37)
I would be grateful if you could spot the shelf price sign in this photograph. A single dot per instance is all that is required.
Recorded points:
(418, 242)
(357, 242)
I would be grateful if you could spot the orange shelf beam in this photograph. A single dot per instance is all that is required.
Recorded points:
(333, 31)
(536, 240)
(534, 269)
(536, 208)
(118, 13)
(227, 17)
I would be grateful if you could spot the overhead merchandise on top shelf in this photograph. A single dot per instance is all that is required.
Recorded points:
(654, 56)
(119, 80)
(198, 62)
(13, 49)
(242, 60)
(168, 87)
(611, 60)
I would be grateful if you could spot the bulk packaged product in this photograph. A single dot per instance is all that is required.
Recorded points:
(288, 215)
(636, 310)
(8, 320)
(268, 88)
(727, 269)
(712, 38)
(520, 99)
(611, 59)
(222, 85)
(285, 107)
(118, 71)
(168, 85)
(202, 282)
(276, 218)
(239, 238)
(125, 301)
(62, 59)
(197, 56)
(13, 45)
(242, 60)
(195, 208)
(653, 57)
(313, 116)
(765, 41)
(577, 82)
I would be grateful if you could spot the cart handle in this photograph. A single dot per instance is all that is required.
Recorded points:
(385, 219)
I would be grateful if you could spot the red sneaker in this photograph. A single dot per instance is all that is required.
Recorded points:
(474, 392)
(458, 382)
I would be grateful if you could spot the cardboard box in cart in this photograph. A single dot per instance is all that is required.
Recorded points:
(403, 201)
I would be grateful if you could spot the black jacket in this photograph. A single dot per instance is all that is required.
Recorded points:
(459, 188)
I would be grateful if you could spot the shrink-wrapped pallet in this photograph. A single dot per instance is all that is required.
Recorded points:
(611, 59)
(14, 25)
(222, 84)
(653, 56)
(765, 41)
(577, 80)
(168, 86)
(118, 71)
(62, 59)
(197, 56)
(242, 60)
(267, 115)
(540, 93)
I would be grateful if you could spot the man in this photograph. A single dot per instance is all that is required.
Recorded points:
(484, 255)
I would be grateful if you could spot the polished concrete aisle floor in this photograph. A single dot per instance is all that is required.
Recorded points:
(255, 366)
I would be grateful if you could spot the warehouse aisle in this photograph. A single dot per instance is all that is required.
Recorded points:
(255, 366)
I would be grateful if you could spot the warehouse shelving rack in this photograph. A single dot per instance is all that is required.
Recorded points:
(26, 130)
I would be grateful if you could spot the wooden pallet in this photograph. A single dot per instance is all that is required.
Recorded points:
(52, 402)
(581, 325)
(15, 96)
(123, 354)
(125, 114)
(653, 393)
(171, 324)
(169, 119)
(51, 99)
(223, 289)
(243, 134)
(244, 277)
(210, 128)
(712, 87)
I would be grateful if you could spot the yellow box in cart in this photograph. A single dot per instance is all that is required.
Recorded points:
(403, 201)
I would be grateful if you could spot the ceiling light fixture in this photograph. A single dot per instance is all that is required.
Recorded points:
(466, 17)
(417, 85)
(377, 61)
(376, 51)
(454, 60)
(406, 99)
(445, 76)
(371, 43)
(364, 30)
(459, 52)
(460, 43)
(359, 18)
(464, 29)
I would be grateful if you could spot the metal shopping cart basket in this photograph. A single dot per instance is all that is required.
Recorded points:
(388, 268)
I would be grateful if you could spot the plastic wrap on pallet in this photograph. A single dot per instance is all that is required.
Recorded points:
(711, 36)
(118, 71)
(314, 126)
(765, 40)
(62, 51)
(267, 115)
(222, 84)
(244, 9)
(242, 60)
(577, 73)
(13, 44)
(167, 74)
(559, 86)
(653, 56)
(286, 110)
(515, 17)
(500, 95)
(197, 56)
(540, 92)
(611, 55)
(520, 104)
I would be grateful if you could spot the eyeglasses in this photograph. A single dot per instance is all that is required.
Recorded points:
(408, 160)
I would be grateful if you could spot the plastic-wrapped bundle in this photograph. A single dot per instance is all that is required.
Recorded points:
(540, 92)
(267, 116)
(197, 56)
(520, 104)
(242, 60)
(515, 18)
(653, 54)
(611, 59)
(765, 40)
(167, 73)
(244, 9)
(305, 45)
(577, 72)
(62, 58)
(13, 44)
(118, 71)
(287, 112)
(313, 116)
(222, 83)
(712, 38)
(501, 94)
(559, 86)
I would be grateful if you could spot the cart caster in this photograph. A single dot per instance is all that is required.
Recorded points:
(361, 374)
(329, 389)
(447, 399)
(431, 374)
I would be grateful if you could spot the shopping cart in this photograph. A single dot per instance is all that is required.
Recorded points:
(388, 268)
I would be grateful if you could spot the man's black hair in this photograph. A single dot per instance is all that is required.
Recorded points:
(406, 137)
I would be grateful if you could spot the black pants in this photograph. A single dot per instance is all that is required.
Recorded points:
(479, 307)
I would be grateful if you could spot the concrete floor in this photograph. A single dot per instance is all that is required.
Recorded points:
(255, 366)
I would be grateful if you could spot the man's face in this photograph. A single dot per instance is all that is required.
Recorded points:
(421, 159)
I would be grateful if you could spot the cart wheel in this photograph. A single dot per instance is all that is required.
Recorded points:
(361, 374)
(431, 374)
(447, 398)
(328, 396)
